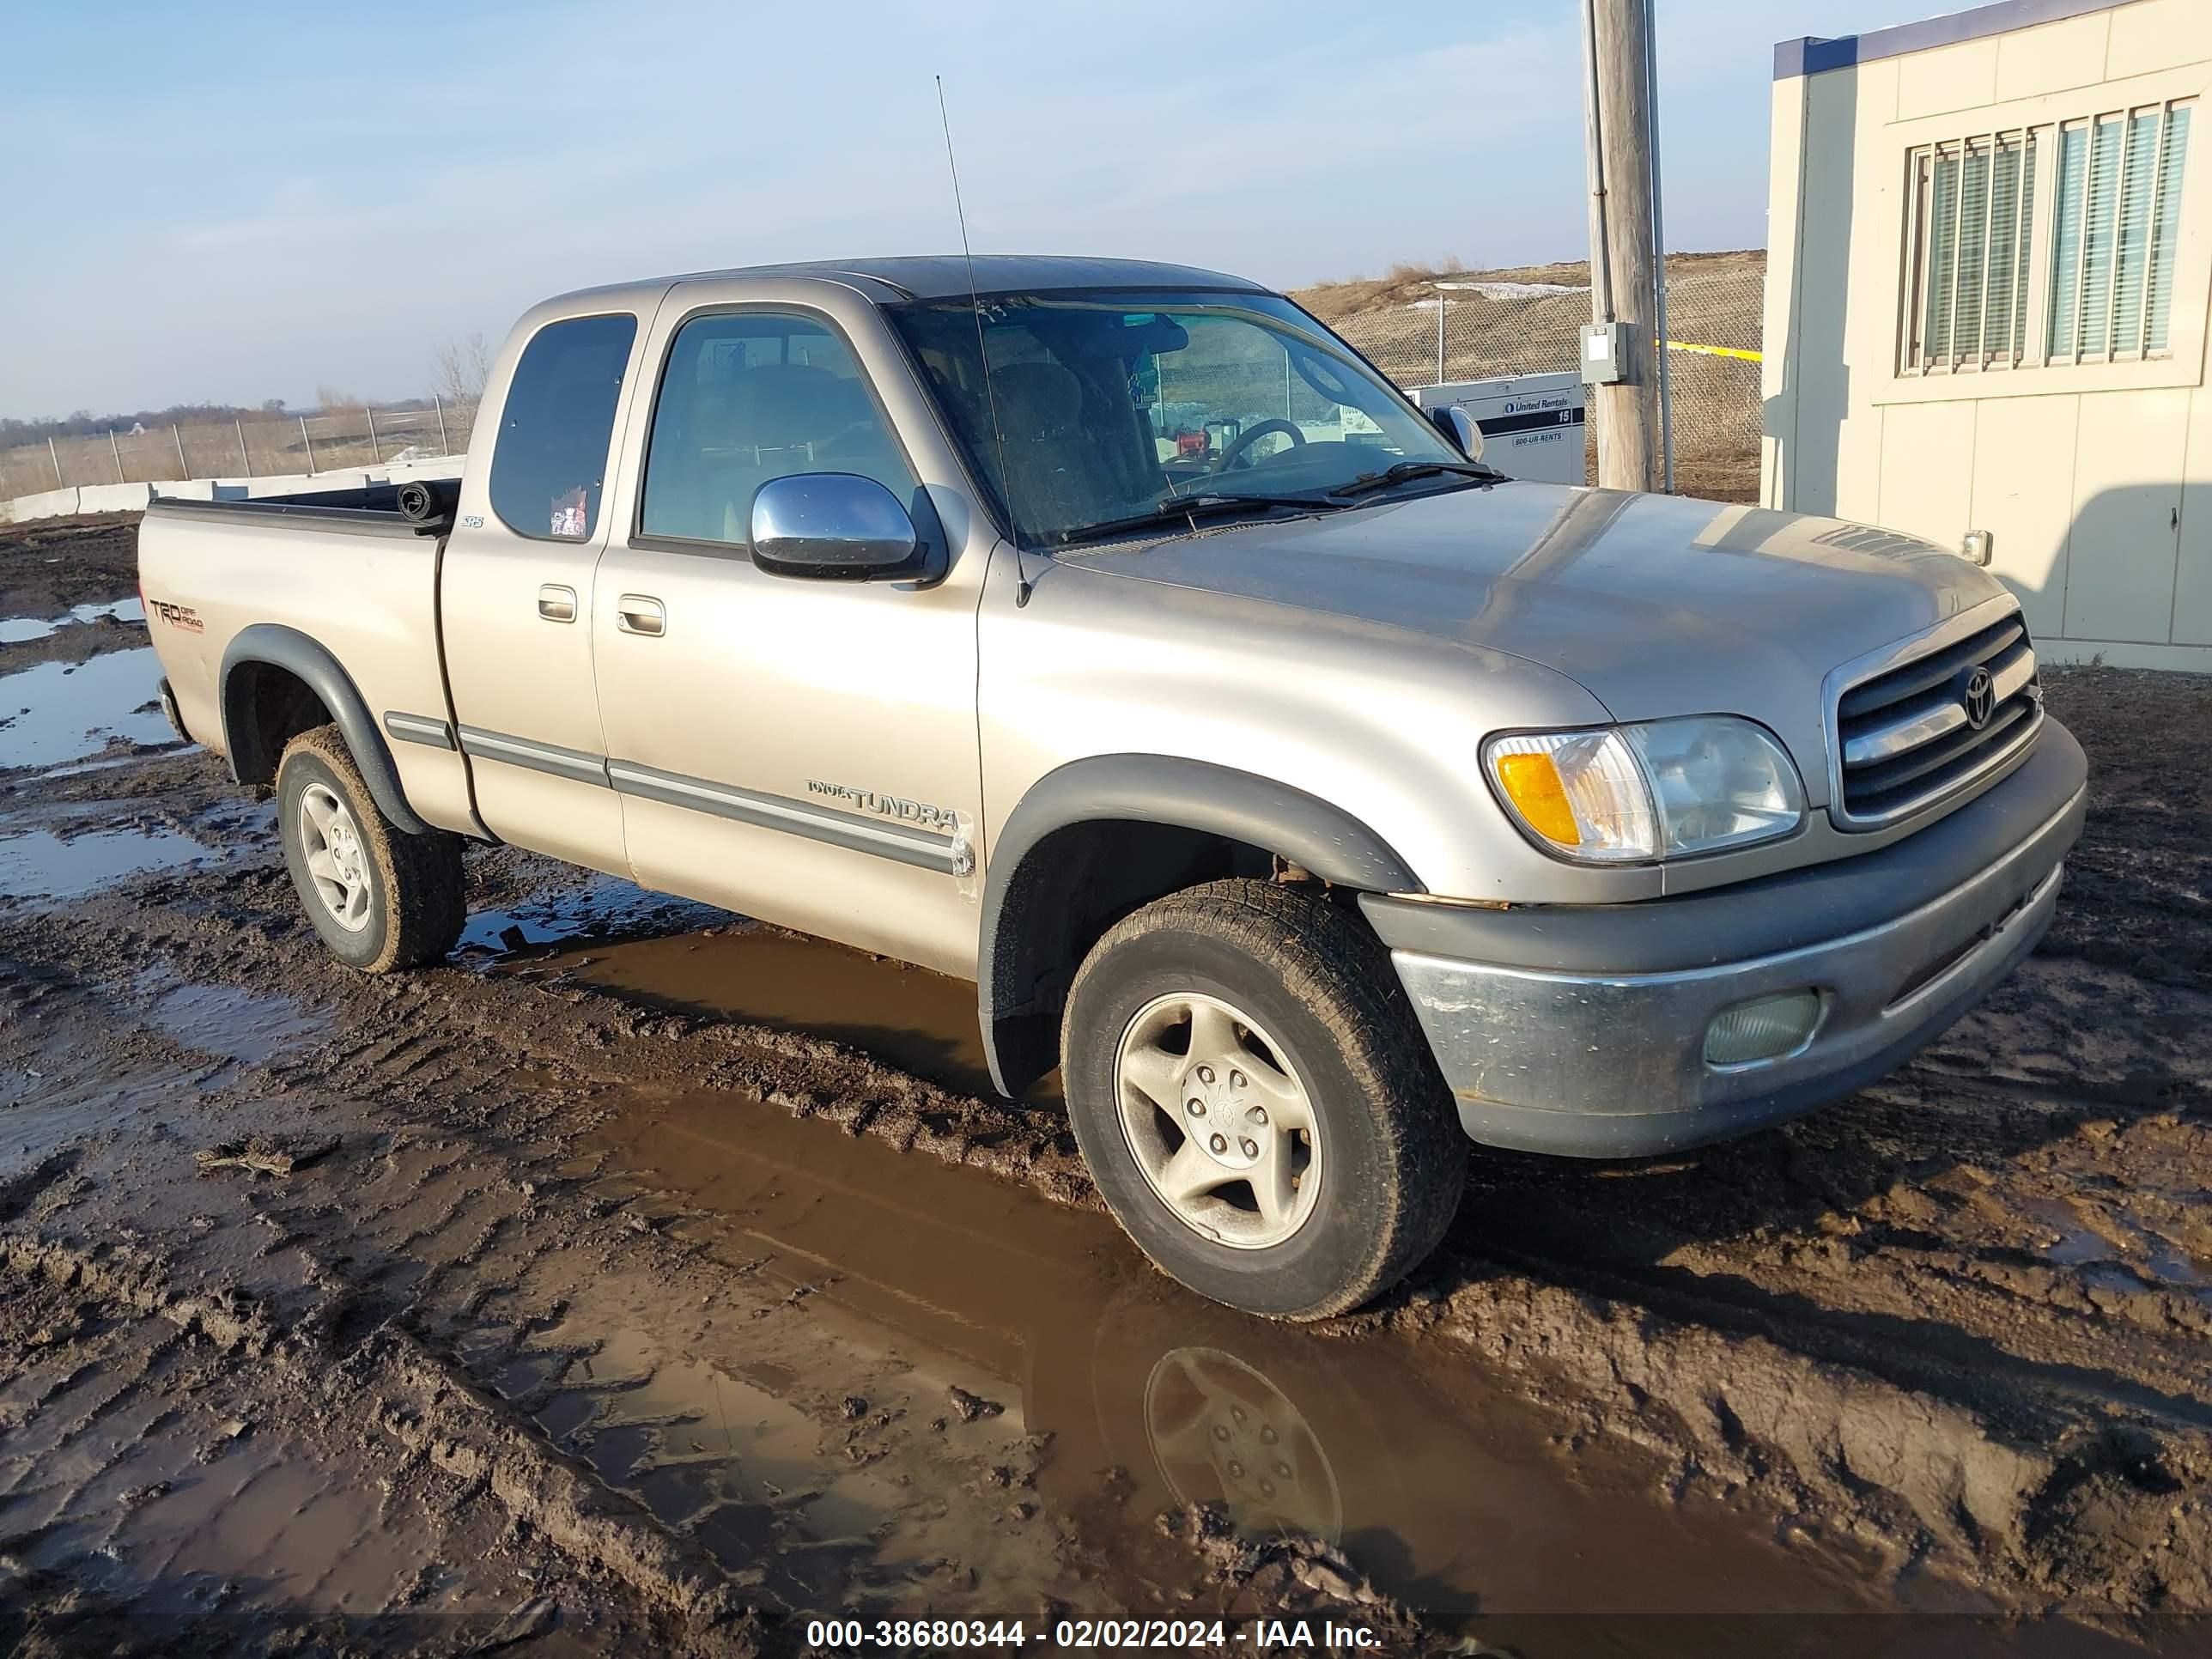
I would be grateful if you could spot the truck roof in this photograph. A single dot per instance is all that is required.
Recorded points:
(942, 276)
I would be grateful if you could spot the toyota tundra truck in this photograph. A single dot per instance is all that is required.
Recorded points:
(1112, 635)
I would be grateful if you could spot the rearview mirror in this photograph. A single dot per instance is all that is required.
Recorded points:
(835, 526)
(1456, 424)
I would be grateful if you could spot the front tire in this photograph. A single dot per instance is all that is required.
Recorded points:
(380, 898)
(1256, 1101)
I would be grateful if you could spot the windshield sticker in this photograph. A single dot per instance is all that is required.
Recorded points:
(569, 515)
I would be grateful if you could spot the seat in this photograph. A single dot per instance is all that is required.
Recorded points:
(783, 418)
(1059, 476)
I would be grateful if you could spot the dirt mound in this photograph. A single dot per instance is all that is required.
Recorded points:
(1715, 298)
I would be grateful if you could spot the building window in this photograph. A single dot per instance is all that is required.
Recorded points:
(2046, 244)
(2114, 229)
(1973, 206)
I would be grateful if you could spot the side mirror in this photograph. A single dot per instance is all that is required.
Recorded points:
(835, 526)
(1456, 424)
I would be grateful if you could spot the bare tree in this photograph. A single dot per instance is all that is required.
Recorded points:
(330, 400)
(464, 365)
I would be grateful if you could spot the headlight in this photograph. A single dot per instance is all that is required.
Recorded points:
(1631, 793)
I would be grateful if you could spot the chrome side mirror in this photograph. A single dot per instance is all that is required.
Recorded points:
(1456, 424)
(835, 526)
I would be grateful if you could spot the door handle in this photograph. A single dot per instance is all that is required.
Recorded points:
(556, 604)
(636, 613)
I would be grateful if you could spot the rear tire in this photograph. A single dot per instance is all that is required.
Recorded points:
(1256, 1101)
(380, 898)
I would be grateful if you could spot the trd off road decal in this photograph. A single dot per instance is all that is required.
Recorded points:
(177, 616)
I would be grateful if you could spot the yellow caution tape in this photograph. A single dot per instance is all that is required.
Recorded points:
(1715, 351)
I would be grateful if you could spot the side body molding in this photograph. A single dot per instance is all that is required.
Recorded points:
(1021, 961)
(295, 652)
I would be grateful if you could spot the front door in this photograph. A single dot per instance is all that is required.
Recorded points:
(800, 750)
(515, 592)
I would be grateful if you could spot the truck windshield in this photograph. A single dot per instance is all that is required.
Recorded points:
(1114, 403)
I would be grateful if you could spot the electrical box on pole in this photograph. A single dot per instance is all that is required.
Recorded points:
(1602, 356)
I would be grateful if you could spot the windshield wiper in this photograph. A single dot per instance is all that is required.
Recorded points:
(1193, 508)
(1367, 482)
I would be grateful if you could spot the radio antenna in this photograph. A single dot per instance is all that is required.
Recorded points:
(983, 351)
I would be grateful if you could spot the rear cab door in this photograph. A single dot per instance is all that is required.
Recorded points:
(801, 750)
(517, 585)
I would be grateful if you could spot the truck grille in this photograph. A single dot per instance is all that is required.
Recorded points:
(1914, 733)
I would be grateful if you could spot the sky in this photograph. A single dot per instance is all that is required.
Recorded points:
(233, 202)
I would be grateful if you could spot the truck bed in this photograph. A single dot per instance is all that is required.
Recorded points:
(345, 571)
(370, 508)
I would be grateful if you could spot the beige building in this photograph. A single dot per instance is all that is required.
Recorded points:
(1990, 272)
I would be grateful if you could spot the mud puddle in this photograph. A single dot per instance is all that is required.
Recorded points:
(19, 630)
(601, 904)
(38, 864)
(1440, 1489)
(921, 1022)
(192, 1509)
(230, 1022)
(720, 1456)
(60, 712)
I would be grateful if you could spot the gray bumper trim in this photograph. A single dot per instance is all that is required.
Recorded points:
(1642, 1135)
(1613, 1064)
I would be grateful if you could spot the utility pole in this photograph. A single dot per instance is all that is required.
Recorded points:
(1623, 264)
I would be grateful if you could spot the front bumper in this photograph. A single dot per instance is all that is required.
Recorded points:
(1557, 1056)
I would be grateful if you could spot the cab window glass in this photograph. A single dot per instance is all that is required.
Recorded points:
(1101, 405)
(753, 395)
(549, 468)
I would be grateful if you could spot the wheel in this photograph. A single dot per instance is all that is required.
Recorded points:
(381, 899)
(1257, 1103)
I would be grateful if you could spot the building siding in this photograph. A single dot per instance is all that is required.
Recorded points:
(2093, 482)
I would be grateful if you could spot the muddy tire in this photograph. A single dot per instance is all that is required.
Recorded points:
(380, 898)
(1257, 1102)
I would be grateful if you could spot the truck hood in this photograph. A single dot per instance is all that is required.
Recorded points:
(1657, 605)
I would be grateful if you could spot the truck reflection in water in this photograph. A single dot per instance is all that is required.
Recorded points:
(1221, 1432)
(1444, 1488)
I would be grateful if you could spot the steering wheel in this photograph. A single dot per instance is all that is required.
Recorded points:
(1234, 451)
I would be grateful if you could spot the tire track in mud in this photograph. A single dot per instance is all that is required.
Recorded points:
(1869, 1324)
(427, 1270)
(1957, 1467)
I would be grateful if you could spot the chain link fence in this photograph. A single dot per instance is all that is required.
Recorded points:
(260, 447)
(1422, 330)
(1715, 315)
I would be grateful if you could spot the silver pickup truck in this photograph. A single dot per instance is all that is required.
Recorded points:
(1115, 636)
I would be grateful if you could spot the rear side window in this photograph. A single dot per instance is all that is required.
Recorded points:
(748, 396)
(549, 467)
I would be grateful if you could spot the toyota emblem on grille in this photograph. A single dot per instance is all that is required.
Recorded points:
(1979, 698)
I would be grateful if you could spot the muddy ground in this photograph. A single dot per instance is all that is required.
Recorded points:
(646, 1280)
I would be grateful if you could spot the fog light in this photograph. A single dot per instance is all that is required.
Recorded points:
(1762, 1029)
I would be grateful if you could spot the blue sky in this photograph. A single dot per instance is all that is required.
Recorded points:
(235, 202)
